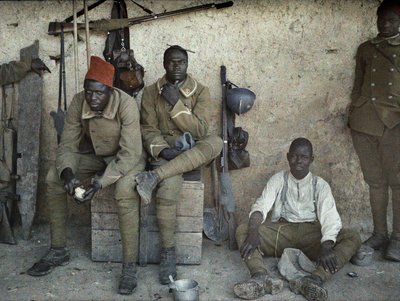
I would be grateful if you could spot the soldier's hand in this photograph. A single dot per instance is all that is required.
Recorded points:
(251, 243)
(94, 187)
(70, 182)
(170, 93)
(169, 153)
(327, 257)
(38, 66)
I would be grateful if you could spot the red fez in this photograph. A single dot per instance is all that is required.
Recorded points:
(100, 71)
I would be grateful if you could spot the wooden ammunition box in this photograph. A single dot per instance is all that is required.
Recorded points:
(106, 239)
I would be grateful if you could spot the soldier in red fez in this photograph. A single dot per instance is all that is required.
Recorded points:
(374, 120)
(101, 141)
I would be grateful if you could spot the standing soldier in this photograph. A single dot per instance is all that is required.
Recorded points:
(374, 120)
(174, 107)
(101, 140)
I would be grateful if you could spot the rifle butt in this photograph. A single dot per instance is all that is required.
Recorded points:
(232, 232)
(55, 27)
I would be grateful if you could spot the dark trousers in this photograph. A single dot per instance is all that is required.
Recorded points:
(380, 165)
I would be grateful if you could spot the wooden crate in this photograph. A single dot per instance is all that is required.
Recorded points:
(106, 239)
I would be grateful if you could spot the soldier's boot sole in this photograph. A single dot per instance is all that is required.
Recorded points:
(311, 291)
(249, 290)
(258, 286)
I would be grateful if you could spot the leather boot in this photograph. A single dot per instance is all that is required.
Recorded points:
(310, 287)
(128, 280)
(258, 286)
(376, 242)
(146, 182)
(53, 258)
(393, 250)
(167, 265)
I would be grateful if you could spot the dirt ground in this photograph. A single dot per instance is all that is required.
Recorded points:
(220, 269)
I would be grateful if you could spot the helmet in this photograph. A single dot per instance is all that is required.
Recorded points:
(240, 100)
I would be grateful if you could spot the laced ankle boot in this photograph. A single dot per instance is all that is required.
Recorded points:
(167, 265)
(128, 280)
(53, 258)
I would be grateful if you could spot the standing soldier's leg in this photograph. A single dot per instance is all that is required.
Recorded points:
(393, 250)
(56, 198)
(128, 217)
(391, 162)
(166, 199)
(369, 150)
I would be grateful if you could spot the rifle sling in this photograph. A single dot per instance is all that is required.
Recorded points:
(82, 11)
(62, 91)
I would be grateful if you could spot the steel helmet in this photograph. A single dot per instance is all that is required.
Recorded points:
(240, 100)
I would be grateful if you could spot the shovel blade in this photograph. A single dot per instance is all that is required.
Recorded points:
(214, 227)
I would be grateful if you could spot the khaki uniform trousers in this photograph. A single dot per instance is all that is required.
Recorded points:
(380, 165)
(275, 237)
(125, 195)
(169, 189)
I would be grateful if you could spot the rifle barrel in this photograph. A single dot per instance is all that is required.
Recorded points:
(114, 24)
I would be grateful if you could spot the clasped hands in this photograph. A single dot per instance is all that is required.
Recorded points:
(71, 183)
(170, 92)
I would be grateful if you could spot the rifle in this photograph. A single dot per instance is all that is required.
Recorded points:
(9, 166)
(6, 233)
(114, 24)
(59, 115)
(227, 198)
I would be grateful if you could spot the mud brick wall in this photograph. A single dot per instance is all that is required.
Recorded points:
(297, 56)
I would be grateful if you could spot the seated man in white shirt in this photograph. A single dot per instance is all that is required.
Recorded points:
(304, 216)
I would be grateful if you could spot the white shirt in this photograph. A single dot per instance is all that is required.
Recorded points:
(299, 207)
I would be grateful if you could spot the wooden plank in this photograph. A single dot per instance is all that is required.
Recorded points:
(104, 200)
(28, 131)
(109, 221)
(106, 246)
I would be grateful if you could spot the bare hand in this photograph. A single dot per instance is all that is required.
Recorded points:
(38, 66)
(169, 153)
(170, 93)
(70, 182)
(251, 243)
(327, 257)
